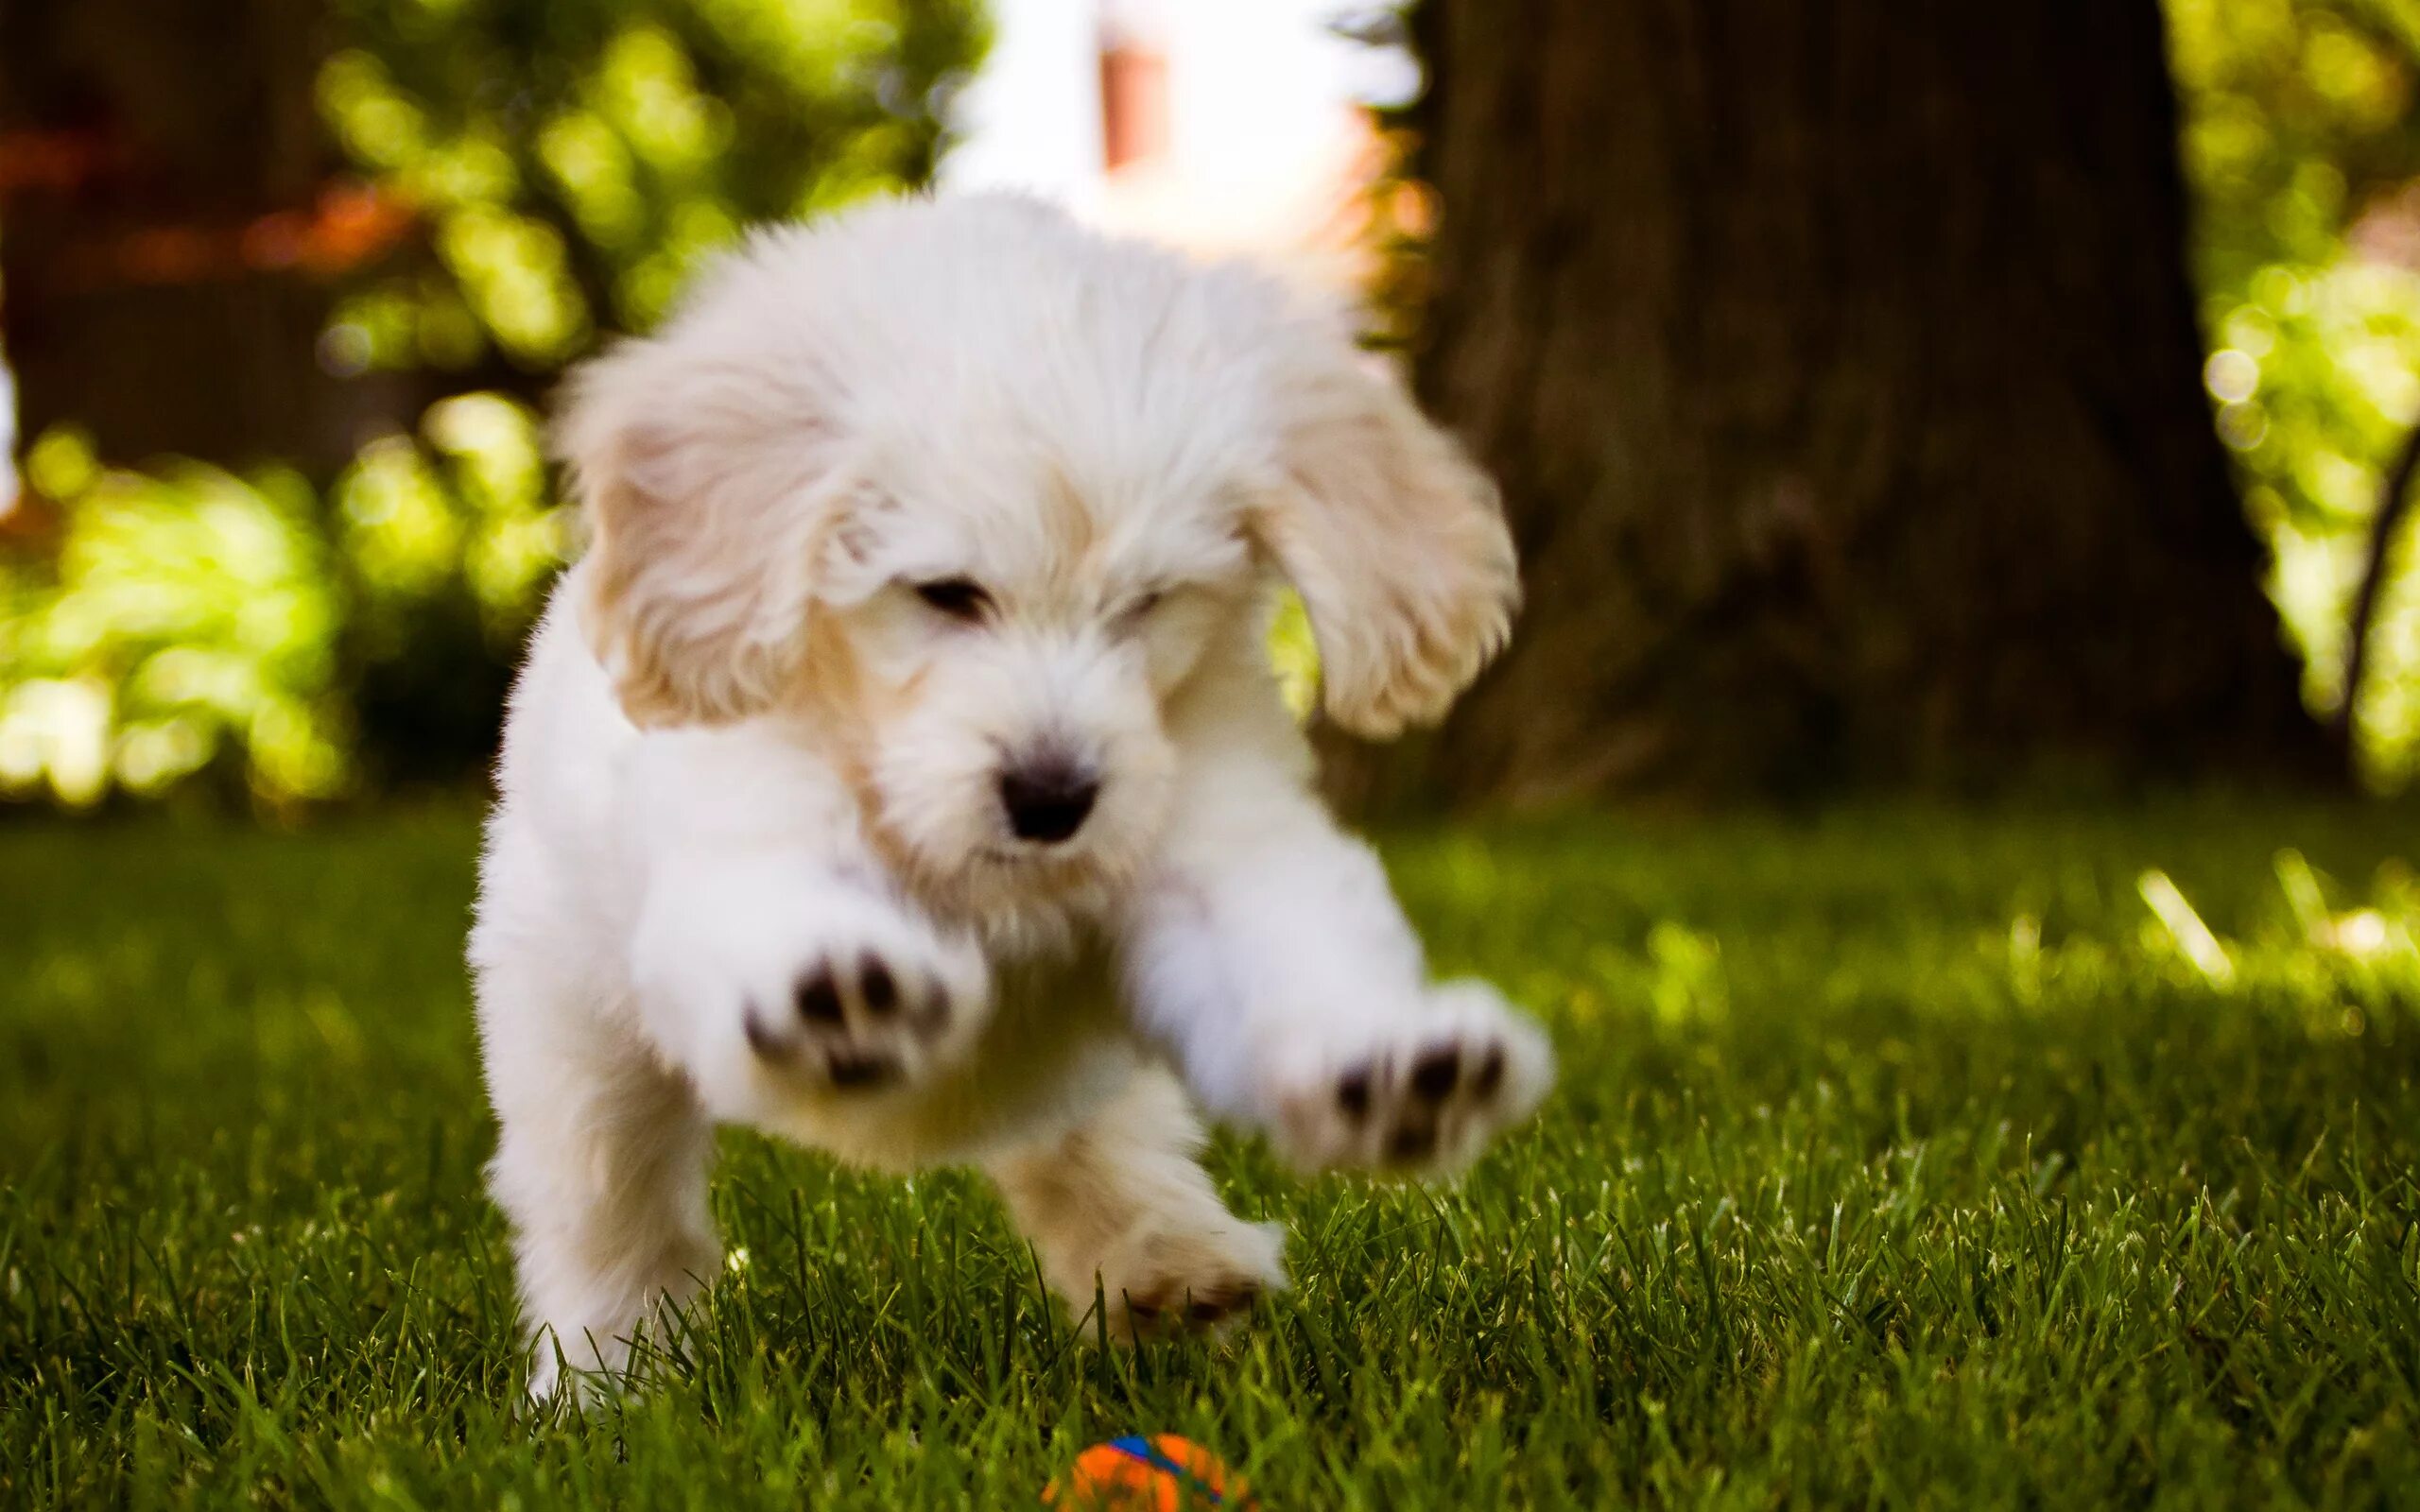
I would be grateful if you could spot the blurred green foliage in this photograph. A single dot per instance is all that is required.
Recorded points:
(2303, 149)
(574, 158)
(567, 161)
(188, 617)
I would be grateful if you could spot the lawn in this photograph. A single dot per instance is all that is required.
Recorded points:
(1902, 1157)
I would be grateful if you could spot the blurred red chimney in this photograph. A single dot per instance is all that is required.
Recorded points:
(1133, 98)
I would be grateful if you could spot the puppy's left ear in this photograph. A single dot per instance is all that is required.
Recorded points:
(1395, 541)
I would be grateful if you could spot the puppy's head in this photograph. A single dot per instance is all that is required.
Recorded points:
(976, 495)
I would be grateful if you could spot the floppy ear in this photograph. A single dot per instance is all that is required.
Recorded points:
(710, 491)
(1395, 541)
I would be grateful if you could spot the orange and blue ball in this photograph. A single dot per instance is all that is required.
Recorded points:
(1161, 1474)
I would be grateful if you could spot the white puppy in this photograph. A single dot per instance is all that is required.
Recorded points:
(900, 770)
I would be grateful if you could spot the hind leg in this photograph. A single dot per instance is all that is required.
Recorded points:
(1121, 1202)
(600, 1164)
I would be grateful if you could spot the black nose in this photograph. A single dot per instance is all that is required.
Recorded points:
(1046, 804)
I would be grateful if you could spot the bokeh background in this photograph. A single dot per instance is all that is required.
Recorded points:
(2001, 399)
(1940, 797)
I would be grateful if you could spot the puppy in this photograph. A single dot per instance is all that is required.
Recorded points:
(900, 770)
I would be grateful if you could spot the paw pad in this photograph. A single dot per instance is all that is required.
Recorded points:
(1206, 1307)
(875, 984)
(1410, 1103)
(846, 1022)
(1353, 1093)
(850, 1069)
(1440, 1082)
(817, 996)
(1434, 1073)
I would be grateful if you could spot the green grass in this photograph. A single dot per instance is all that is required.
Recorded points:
(1902, 1157)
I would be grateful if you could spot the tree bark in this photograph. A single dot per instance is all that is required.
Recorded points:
(1840, 368)
(156, 160)
(2386, 529)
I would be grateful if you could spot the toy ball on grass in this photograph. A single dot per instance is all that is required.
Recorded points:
(1138, 1474)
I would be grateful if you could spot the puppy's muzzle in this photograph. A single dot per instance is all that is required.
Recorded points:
(1048, 801)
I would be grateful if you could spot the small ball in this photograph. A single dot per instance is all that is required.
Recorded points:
(1157, 1474)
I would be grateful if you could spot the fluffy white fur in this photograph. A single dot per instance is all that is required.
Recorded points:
(752, 862)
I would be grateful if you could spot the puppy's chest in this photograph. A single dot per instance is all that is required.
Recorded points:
(1055, 1048)
(1045, 1005)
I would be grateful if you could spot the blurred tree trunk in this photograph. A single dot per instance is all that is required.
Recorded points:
(1841, 371)
(158, 163)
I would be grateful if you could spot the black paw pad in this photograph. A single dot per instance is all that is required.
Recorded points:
(1353, 1094)
(817, 996)
(855, 1071)
(1218, 1306)
(875, 986)
(1434, 1073)
(1413, 1142)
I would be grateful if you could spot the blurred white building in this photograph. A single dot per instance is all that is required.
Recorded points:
(1220, 124)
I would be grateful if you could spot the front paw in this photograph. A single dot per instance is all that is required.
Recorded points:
(873, 1009)
(833, 995)
(1191, 1282)
(1419, 1089)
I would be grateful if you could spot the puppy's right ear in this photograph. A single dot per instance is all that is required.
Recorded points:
(710, 491)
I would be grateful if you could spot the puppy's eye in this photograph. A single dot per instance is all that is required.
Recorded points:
(960, 598)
